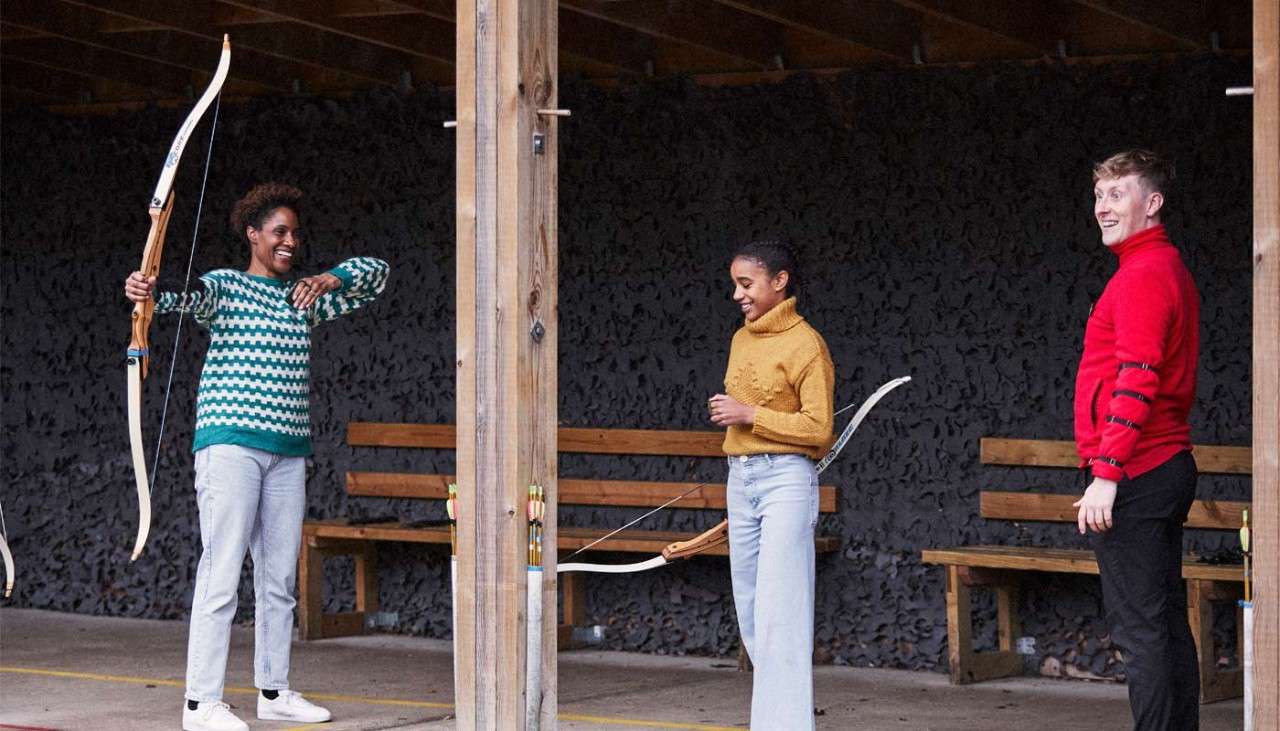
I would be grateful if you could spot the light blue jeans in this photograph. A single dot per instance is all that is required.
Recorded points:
(773, 509)
(248, 500)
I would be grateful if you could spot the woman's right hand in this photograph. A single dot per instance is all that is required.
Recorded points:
(137, 288)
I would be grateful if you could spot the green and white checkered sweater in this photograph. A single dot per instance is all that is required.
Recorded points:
(256, 384)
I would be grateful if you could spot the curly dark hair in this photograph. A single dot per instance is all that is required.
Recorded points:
(259, 202)
(774, 256)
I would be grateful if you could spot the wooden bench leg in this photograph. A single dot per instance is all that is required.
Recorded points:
(573, 608)
(968, 666)
(1215, 684)
(313, 623)
(310, 590)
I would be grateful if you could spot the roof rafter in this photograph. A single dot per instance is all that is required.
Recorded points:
(721, 30)
(70, 57)
(1182, 22)
(581, 36)
(415, 35)
(54, 19)
(1037, 31)
(32, 77)
(287, 42)
(879, 25)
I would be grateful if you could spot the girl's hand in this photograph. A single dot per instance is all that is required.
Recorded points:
(727, 411)
(137, 288)
(309, 289)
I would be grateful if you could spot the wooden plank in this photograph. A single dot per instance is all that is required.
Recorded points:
(569, 539)
(415, 35)
(378, 434)
(507, 260)
(880, 25)
(473, 151)
(1062, 453)
(342, 624)
(623, 493)
(1184, 22)
(286, 41)
(747, 39)
(1007, 19)
(1059, 560)
(191, 54)
(570, 439)
(1266, 363)
(1036, 506)
(642, 441)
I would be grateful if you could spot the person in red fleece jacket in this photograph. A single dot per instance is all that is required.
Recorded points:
(1133, 396)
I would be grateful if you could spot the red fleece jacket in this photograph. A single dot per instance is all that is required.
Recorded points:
(1137, 377)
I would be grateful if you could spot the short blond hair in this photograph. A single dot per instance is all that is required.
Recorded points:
(1154, 170)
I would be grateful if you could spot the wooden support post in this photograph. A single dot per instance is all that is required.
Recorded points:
(1266, 364)
(506, 349)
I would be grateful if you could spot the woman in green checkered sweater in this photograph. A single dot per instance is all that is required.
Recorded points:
(253, 434)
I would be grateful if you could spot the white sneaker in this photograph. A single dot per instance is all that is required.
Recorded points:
(215, 716)
(291, 706)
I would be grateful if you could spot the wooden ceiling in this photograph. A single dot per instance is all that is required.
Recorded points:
(86, 52)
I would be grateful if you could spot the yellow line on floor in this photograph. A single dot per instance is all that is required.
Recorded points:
(674, 725)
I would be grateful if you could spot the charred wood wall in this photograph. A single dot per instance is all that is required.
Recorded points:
(944, 220)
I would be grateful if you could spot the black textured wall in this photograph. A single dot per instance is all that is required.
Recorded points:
(944, 216)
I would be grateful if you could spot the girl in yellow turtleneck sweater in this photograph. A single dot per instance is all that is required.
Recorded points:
(777, 406)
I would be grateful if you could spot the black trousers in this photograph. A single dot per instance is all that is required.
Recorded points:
(1140, 559)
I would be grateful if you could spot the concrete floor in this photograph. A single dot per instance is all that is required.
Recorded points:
(63, 671)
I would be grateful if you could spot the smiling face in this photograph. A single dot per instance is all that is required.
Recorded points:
(754, 289)
(273, 246)
(1124, 206)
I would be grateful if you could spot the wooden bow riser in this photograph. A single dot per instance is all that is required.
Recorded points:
(708, 540)
(140, 340)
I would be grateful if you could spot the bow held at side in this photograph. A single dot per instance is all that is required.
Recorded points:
(138, 355)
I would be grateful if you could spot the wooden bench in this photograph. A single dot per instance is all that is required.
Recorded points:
(333, 538)
(999, 567)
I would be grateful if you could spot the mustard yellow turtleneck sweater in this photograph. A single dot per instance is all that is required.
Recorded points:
(780, 365)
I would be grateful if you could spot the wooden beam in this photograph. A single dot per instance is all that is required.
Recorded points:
(723, 31)
(1266, 363)
(20, 74)
(625, 493)
(1210, 459)
(1059, 560)
(571, 439)
(879, 25)
(1038, 31)
(580, 36)
(1184, 22)
(1038, 506)
(307, 47)
(70, 57)
(507, 69)
(416, 35)
(199, 55)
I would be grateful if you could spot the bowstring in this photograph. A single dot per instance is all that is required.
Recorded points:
(182, 300)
